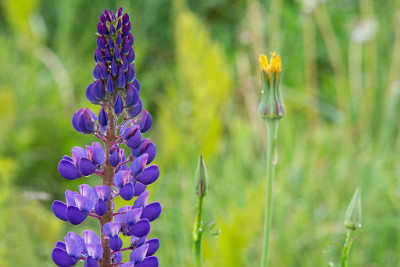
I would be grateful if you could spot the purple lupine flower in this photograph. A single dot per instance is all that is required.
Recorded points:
(116, 89)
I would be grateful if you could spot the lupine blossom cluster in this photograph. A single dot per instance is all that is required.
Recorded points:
(121, 120)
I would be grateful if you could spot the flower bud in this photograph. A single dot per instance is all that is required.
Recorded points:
(201, 178)
(352, 219)
(271, 106)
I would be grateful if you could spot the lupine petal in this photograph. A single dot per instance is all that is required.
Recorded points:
(114, 158)
(60, 210)
(148, 175)
(95, 153)
(96, 72)
(136, 84)
(104, 70)
(61, 245)
(117, 257)
(125, 18)
(128, 133)
(90, 237)
(154, 244)
(125, 46)
(151, 211)
(141, 201)
(73, 248)
(112, 29)
(144, 120)
(119, 12)
(90, 95)
(132, 216)
(151, 151)
(78, 240)
(98, 56)
(118, 106)
(107, 55)
(103, 118)
(86, 167)
(111, 229)
(77, 154)
(139, 188)
(135, 140)
(141, 228)
(141, 148)
(119, 38)
(121, 178)
(68, 170)
(128, 264)
(135, 110)
(131, 55)
(138, 164)
(95, 251)
(139, 254)
(132, 96)
(84, 204)
(114, 68)
(75, 216)
(120, 78)
(110, 42)
(102, 192)
(115, 243)
(130, 74)
(117, 53)
(101, 42)
(125, 63)
(90, 262)
(110, 84)
(70, 198)
(99, 90)
(127, 191)
(100, 208)
(119, 24)
(86, 191)
(148, 262)
(61, 258)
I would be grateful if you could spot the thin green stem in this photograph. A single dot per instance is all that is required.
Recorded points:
(272, 131)
(347, 245)
(197, 234)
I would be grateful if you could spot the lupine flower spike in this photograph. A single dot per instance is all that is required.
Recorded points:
(271, 109)
(116, 90)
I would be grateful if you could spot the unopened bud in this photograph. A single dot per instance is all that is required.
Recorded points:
(201, 178)
(352, 219)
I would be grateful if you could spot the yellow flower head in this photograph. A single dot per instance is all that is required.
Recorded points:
(263, 62)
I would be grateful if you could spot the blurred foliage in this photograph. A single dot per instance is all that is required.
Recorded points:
(197, 65)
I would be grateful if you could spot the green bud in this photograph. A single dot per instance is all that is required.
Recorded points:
(201, 178)
(352, 219)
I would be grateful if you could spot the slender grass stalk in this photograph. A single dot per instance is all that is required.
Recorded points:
(271, 109)
(272, 131)
(347, 245)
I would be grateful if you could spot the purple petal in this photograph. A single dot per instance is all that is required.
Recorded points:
(98, 56)
(140, 149)
(70, 198)
(119, 39)
(132, 96)
(154, 244)
(151, 211)
(130, 74)
(151, 151)
(117, 53)
(115, 243)
(86, 191)
(84, 204)
(101, 42)
(125, 18)
(68, 170)
(139, 254)
(148, 262)
(132, 216)
(121, 178)
(125, 46)
(73, 248)
(90, 95)
(86, 167)
(110, 84)
(104, 71)
(95, 250)
(90, 262)
(61, 245)
(95, 153)
(141, 228)
(112, 29)
(110, 42)
(100, 208)
(102, 192)
(128, 133)
(61, 258)
(141, 201)
(99, 90)
(77, 154)
(125, 63)
(127, 191)
(130, 38)
(118, 105)
(103, 119)
(131, 55)
(139, 188)
(75, 216)
(120, 78)
(128, 264)
(114, 158)
(138, 164)
(135, 110)
(96, 72)
(135, 140)
(60, 210)
(144, 120)
(119, 12)
(119, 25)
(90, 237)
(136, 84)
(107, 55)
(114, 68)
(148, 175)
(111, 229)
(117, 257)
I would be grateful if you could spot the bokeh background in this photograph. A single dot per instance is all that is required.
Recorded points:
(197, 65)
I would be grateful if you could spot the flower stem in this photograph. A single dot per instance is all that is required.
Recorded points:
(107, 180)
(272, 131)
(347, 245)
(197, 234)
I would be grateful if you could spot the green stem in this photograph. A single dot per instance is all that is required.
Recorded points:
(197, 233)
(347, 245)
(272, 131)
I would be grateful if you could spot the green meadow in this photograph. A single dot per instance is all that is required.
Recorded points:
(197, 63)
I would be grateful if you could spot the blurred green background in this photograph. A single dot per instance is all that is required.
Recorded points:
(197, 65)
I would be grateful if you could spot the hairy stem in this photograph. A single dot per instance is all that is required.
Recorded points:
(107, 180)
(272, 131)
